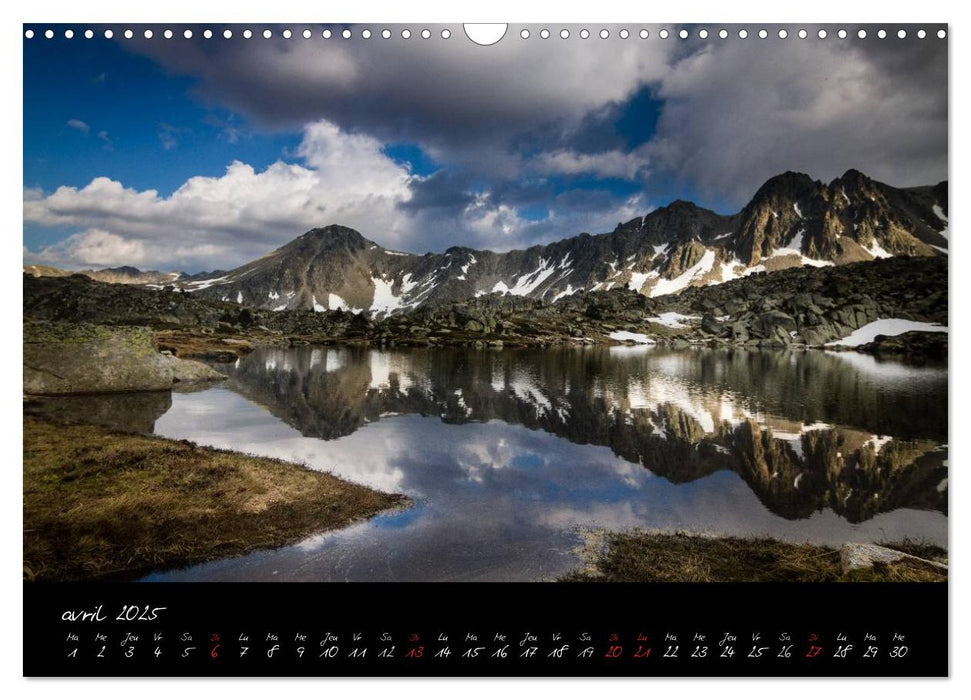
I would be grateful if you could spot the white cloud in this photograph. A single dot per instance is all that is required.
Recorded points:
(226, 220)
(221, 222)
(95, 247)
(79, 125)
(492, 221)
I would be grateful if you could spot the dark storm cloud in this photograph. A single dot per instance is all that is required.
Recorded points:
(444, 190)
(616, 125)
(729, 113)
(466, 101)
(739, 113)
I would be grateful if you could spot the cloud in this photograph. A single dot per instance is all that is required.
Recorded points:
(607, 164)
(728, 114)
(513, 128)
(341, 178)
(79, 125)
(94, 247)
(740, 112)
(228, 128)
(168, 135)
(344, 178)
(453, 97)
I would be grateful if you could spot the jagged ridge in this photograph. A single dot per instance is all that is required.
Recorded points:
(791, 221)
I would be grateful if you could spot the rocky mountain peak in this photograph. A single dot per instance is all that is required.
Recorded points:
(334, 234)
(788, 184)
(855, 178)
(792, 220)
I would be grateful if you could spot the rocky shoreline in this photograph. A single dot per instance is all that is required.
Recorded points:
(801, 307)
(677, 557)
(80, 358)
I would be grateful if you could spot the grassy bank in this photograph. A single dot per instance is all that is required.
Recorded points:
(102, 504)
(659, 557)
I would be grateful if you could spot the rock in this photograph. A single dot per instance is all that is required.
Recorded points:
(79, 358)
(814, 336)
(913, 344)
(739, 332)
(192, 371)
(775, 319)
(859, 555)
(710, 325)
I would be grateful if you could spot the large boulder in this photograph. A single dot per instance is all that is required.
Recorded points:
(774, 325)
(62, 358)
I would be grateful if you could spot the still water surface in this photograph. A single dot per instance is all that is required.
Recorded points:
(509, 455)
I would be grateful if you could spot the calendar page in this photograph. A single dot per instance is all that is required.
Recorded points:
(485, 350)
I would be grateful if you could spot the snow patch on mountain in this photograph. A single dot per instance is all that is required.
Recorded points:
(530, 281)
(886, 326)
(877, 251)
(637, 280)
(794, 247)
(627, 336)
(384, 299)
(699, 269)
(197, 285)
(943, 217)
(335, 302)
(672, 319)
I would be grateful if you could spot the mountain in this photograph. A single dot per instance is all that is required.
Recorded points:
(791, 221)
(798, 306)
(115, 275)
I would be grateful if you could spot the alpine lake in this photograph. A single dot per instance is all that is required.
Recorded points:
(511, 456)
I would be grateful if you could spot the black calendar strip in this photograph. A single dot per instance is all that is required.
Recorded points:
(479, 630)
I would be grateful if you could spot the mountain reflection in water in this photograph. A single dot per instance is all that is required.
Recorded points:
(506, 452)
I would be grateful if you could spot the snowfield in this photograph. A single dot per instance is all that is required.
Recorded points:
(627, 336)
(672, 319)
(886, 326)
(700, 268)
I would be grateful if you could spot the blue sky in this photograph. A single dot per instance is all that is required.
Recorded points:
(196, 154)
(98, 110)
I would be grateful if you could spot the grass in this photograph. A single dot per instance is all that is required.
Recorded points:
(100, 504)
(678, 558)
